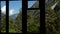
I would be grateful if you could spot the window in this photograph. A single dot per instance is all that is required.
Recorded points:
(23, 18)
(33, 17)
(15, 16)
(3, 16)
(33, 21)
(33, 4)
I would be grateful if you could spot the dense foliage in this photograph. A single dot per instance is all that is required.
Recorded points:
(53, 20)
(3, 23)
(33, 21)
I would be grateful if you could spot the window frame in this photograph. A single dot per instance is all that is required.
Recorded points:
(24, 15)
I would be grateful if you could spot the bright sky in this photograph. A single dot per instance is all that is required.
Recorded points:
(14, 6)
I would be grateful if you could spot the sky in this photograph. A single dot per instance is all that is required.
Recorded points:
(30, 3)
(3, 7)
(14, 6)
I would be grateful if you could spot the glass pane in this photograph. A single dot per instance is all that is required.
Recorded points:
(52, 16)
(33, 21)
(3, 16)
(33, 4)
(15, 16)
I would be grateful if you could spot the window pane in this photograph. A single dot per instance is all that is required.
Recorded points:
(33, 4)
(3, 16)
(15, 16)
(33, 21)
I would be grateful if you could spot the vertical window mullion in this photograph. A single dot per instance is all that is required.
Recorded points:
(24, 16)
(42, 16)
(7, 16)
